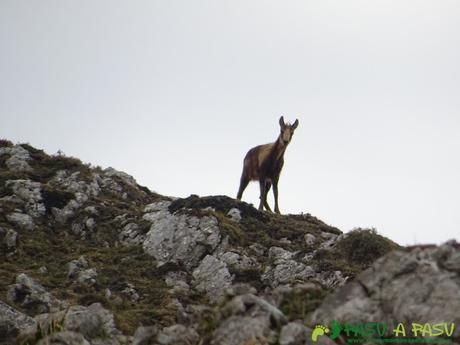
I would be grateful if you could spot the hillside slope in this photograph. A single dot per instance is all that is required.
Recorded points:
(90, 257)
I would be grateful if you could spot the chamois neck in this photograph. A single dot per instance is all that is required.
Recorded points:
(281, 143)
(279, 147)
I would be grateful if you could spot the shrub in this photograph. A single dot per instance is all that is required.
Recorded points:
(300, 301)
(5, 143)
(363, 246)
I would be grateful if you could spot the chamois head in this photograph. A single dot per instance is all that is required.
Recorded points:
(287, 130)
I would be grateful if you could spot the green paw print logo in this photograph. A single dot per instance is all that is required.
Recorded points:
(318, 331)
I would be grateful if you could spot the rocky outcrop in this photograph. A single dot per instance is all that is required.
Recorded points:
(90, 257)
(420, 285)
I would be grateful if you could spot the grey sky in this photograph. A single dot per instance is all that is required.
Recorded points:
(176, 92)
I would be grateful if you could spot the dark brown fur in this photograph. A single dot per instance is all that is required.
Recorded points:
(264, 163)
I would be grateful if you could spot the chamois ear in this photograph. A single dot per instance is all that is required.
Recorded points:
(295, 124)
(282, 121)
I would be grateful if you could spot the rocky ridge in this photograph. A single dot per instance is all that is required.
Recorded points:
(91, 257)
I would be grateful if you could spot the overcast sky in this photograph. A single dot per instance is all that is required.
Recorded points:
(176, 92)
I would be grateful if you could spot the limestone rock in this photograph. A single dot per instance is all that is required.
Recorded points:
(294, 333)
(254, 305)
(237, 330)
(84, 227)
(239, 261)
(178, 335)
(278, 254)
(286, 272)
(79, 271)
(331, 279)
(64, 338)
(422, 285)
(177, 280)
(32, 296)
(131, 235)
(157, 206)
(144, 335)
(212, 278)
(11, 323)
(68, 211)
(126, 178)
(240, 289)
(29, 192)
(18, 160)
(93, 321)
(74, 183)
(10, 238)
(310, 239)
(234, 214)
(180, 238)
(21, 220)
(130, 292)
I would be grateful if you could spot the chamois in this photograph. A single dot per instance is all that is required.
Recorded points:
(263, 163)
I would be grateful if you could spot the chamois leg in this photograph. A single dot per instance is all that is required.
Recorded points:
(275, 194)
(243, 184)
(267, 189)
(263, 194)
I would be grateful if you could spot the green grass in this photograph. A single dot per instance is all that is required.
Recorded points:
(299, 302)
(272, 230)
(115, 266)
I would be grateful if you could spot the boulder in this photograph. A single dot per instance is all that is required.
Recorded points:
(294, 333)
(126, 178)
(237, 330)
(18, 160)
(64, 338)
(29, 192)
(21, 220)
(180, 238)
(10, 238)
(178, 335)
(212, 278)
(11, 323)
(422, 285)
(131, 235)
(74, 183)
(239, 261)
(310, 239)
(144, 335)
(234, 214)
(92, 322)
(287, 271)
(33, 297)
(80, 272)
